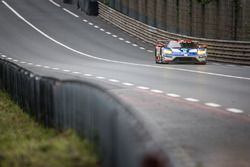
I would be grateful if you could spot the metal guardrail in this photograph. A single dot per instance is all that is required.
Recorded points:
(237, 52)
(121, 138)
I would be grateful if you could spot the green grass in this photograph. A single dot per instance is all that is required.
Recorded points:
(24, 143)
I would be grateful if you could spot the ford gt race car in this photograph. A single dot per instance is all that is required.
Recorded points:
(180, 51)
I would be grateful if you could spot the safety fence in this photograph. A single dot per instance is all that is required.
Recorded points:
(121, 138)
(237, 52)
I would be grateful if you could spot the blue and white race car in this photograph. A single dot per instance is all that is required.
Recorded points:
(180, 51)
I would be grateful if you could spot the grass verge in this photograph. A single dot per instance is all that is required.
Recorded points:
(24, 143)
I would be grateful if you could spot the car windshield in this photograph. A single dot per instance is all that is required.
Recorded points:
(175, 44)
(189, 44)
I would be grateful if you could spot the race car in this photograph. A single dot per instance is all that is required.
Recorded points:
(180, 51)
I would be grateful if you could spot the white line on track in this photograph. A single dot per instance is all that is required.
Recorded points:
(73, 14)
(99, 77)
(96, 26)
(212, 105)
(115, 36)
(114, 80)
(3, 56)
(9, 58)
(156, 91)
(55, 68)
(142, 48)
(142, 87)
(119, 62)
(235, 110)
(76, 72)
(55, 3)
(128, 84)
(23, 62)
(88, 75)
(121, 39)
(192, 99)
(108, 33)
(150, 51)
(127, 42)
(16, 60)
(172, 95)
(91, 23)
(84, 20)
(101, 29)
(134, 45)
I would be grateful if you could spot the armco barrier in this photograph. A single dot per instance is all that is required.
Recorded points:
(237, 52)
(121, 138)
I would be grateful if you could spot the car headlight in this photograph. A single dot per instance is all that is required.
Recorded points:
(167, 51)
(202, 52)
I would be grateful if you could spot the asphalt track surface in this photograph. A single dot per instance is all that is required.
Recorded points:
(199, 112)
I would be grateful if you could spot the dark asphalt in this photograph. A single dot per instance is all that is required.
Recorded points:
(192, 133)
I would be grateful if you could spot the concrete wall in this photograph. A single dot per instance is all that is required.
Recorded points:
(219, 19)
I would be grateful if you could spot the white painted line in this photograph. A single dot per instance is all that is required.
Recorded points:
(108, 33)
(99, 77)
(9, 58)
(55, 68)
(91, 23)
(143, 87)
(84, 20)
(114, 80)
(66, 70)
(46, 67)
(38, 65)
(76, 72)
(127, 41)
(73, 14)
(23, 62)
(16, 60)
(191, 99)
(30, 64)
(172, 95)
(121, 39)
(235, 110)
(115, 36)
(55, 3)
(212, 105)
(134, 45)
(127, 84)
(156, 91)
(88, 75)
(142, 48)
(150, 51)
(120, 62)
(3, 56)
(101, 29)
(96, 26)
